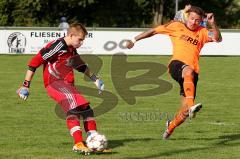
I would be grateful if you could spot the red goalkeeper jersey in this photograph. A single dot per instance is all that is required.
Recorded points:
(54, 59)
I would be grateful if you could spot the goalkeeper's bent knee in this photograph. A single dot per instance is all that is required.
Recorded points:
(80, 111)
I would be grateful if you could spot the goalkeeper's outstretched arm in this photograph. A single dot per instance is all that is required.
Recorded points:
(23, 91)
(29, 75)
(36, 61)
(77, 63)
(97, 81)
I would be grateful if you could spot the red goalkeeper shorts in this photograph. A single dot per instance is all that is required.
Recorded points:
(66, 95)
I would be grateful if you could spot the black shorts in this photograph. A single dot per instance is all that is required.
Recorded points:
(175, 69)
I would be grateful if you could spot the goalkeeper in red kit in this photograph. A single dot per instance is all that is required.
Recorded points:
(59, 58)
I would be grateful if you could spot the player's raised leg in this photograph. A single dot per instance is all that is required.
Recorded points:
(188, 85)
(188, 91)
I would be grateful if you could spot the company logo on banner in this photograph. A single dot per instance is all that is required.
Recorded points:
(38, 39)
(16, 43)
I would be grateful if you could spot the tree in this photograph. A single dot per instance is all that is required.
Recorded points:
(24, 14)
(109, 13)
(157, 11)
(6, 6)
(156, 7)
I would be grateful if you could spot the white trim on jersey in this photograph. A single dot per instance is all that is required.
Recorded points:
(52, 72)
(53, 51)
(55, 69)
(62, 52)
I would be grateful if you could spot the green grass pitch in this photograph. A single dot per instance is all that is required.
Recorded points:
(32, 130)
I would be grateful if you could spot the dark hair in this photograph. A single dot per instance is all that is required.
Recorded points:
(78, 26)
(197, 10)
(187, 2)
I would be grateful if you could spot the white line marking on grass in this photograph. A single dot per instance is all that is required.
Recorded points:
(221, 123)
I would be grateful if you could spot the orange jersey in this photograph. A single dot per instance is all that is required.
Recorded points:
(187, 44)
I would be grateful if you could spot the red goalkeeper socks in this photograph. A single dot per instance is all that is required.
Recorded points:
(89, 124)
(73, 125)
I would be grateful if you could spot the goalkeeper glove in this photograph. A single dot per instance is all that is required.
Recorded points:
(100, 85)
(98, 82)
(23, 92)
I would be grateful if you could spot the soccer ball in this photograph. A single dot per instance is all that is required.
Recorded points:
(96, 142)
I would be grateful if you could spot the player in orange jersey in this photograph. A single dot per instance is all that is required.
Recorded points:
(187, 39)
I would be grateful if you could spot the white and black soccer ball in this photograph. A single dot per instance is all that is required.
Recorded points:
(96, 142)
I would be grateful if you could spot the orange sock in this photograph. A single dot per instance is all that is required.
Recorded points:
(189, 89)
(178, 120)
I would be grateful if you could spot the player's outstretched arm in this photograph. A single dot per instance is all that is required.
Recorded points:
(216, 32)
(97, 81)
(77, 63)
(146, 34)
(23, 91)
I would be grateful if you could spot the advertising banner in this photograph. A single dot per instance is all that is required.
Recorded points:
(108, 42)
